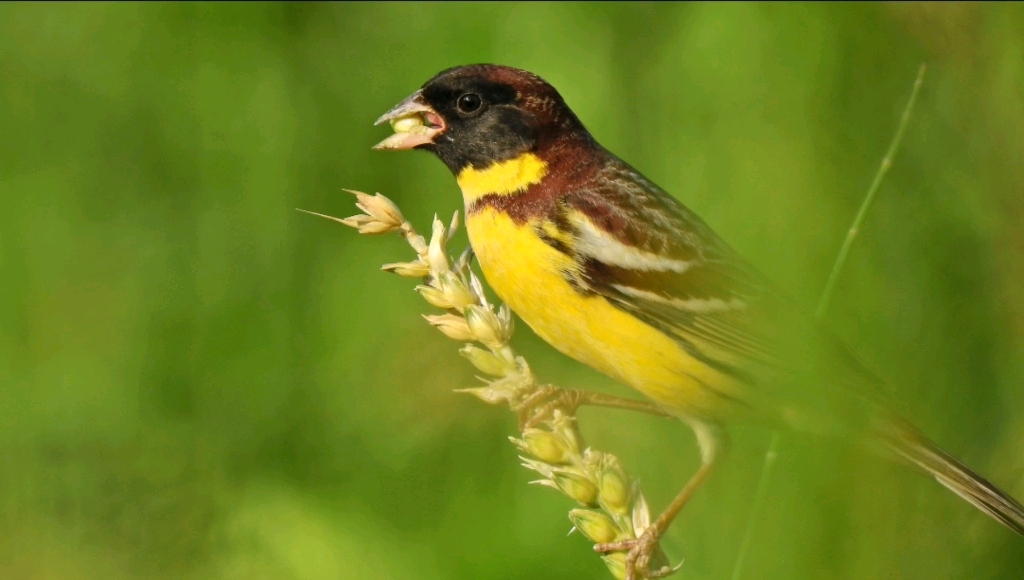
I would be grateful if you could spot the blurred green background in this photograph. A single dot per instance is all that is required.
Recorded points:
(196, 381)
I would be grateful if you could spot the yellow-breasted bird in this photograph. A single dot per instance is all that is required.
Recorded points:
(611, 270)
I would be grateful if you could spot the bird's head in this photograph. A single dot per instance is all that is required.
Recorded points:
(475, 116)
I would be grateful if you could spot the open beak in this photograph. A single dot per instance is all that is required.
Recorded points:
(414, 124)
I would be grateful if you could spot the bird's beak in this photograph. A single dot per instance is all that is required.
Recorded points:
(414, 122)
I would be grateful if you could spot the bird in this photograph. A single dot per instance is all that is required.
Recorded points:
(613, 271)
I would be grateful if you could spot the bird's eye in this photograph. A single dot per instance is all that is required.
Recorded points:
(469, 103)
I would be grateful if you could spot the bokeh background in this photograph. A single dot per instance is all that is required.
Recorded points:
(196, 381)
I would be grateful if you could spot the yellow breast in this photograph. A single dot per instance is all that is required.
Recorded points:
(510, 177)
(527, 274)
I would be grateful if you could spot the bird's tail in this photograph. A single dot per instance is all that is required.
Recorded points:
(913, 446)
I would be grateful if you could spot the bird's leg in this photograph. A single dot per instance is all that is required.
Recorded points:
(713, 444)
(542, 402)
(528, 408)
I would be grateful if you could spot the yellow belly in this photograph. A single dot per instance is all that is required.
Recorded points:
(526, 273)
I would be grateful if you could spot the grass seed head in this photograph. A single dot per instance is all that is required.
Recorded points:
(452, 325)
(616, 562)
(485, 361)
(488, 395)
(436, 251)
(453, 226)
(641, 513)
(590, 477)
(368, 224)
(565, 426)
(415, 269)
(380, 208)
(505, 324)
(596, 526)
(478, 288)
(545, 445)
(545, 469)
(455, 290)
(613, 486)
(485, 325)
(577, 486)
(434, 296)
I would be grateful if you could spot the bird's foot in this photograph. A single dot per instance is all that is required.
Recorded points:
(644, 560)
(541, 404)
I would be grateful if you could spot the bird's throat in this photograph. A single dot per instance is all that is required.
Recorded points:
(503, 178)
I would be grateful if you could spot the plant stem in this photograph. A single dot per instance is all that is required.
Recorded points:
(833, 277)
(826, 297)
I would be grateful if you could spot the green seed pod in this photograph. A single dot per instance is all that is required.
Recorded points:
(576, 486)
(616, 562)
(613, 485)
(565, 426)
(484, 361)
(546, 446)
(594, 525)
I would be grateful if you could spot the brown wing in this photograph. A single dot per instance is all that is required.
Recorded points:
(687, 282)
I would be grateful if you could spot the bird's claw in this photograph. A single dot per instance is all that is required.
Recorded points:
(643, 552)
(541, 404)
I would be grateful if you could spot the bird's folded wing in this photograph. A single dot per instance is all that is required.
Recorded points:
(649, 255)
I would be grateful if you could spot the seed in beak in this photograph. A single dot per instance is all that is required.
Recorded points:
(407, 124)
